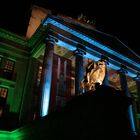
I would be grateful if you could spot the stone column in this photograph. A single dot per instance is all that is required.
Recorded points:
(79, 68)
(124, 86)
(123, 81)
(106, 60)
(137, 80)
(45, 85)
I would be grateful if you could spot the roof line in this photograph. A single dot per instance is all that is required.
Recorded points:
(119, 41)
(88, 39)
(104, 33)
(128, 48)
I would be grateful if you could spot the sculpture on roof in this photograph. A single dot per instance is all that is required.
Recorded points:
(85, 19)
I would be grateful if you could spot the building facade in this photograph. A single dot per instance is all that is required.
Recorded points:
(64, 57)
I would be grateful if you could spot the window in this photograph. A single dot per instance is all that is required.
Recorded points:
(0, 59)
(3, 92)
(6, 68)
(1, 111)
(0, 63)
(39, 75)
(3, 95)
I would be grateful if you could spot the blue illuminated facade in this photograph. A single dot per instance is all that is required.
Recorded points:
(91, 43)
(68, 36)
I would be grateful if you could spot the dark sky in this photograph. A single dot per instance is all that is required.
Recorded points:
(118, 18)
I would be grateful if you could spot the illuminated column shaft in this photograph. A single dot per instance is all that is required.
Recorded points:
(105, 59)
(46, 77)
(79, 68)
(137, 79)
(123, 81)
(138, 85)
(124, 86)
(138, 88)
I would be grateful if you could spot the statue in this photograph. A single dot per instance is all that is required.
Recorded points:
(95, 73)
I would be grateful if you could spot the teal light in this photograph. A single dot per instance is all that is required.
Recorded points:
(132, 120)
(46, 98)
(46, 89)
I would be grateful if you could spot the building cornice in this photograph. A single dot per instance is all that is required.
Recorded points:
(13, 37)
(60, 26)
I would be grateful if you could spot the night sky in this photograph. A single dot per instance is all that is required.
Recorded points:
(118, 18)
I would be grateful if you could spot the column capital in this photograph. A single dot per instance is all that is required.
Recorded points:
(123, 69)
(105, 59)
(137, 78)
(80, 50)
(51, 40)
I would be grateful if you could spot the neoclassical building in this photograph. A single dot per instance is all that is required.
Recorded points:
(62, 58)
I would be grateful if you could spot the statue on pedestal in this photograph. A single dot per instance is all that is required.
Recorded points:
(95, 73)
